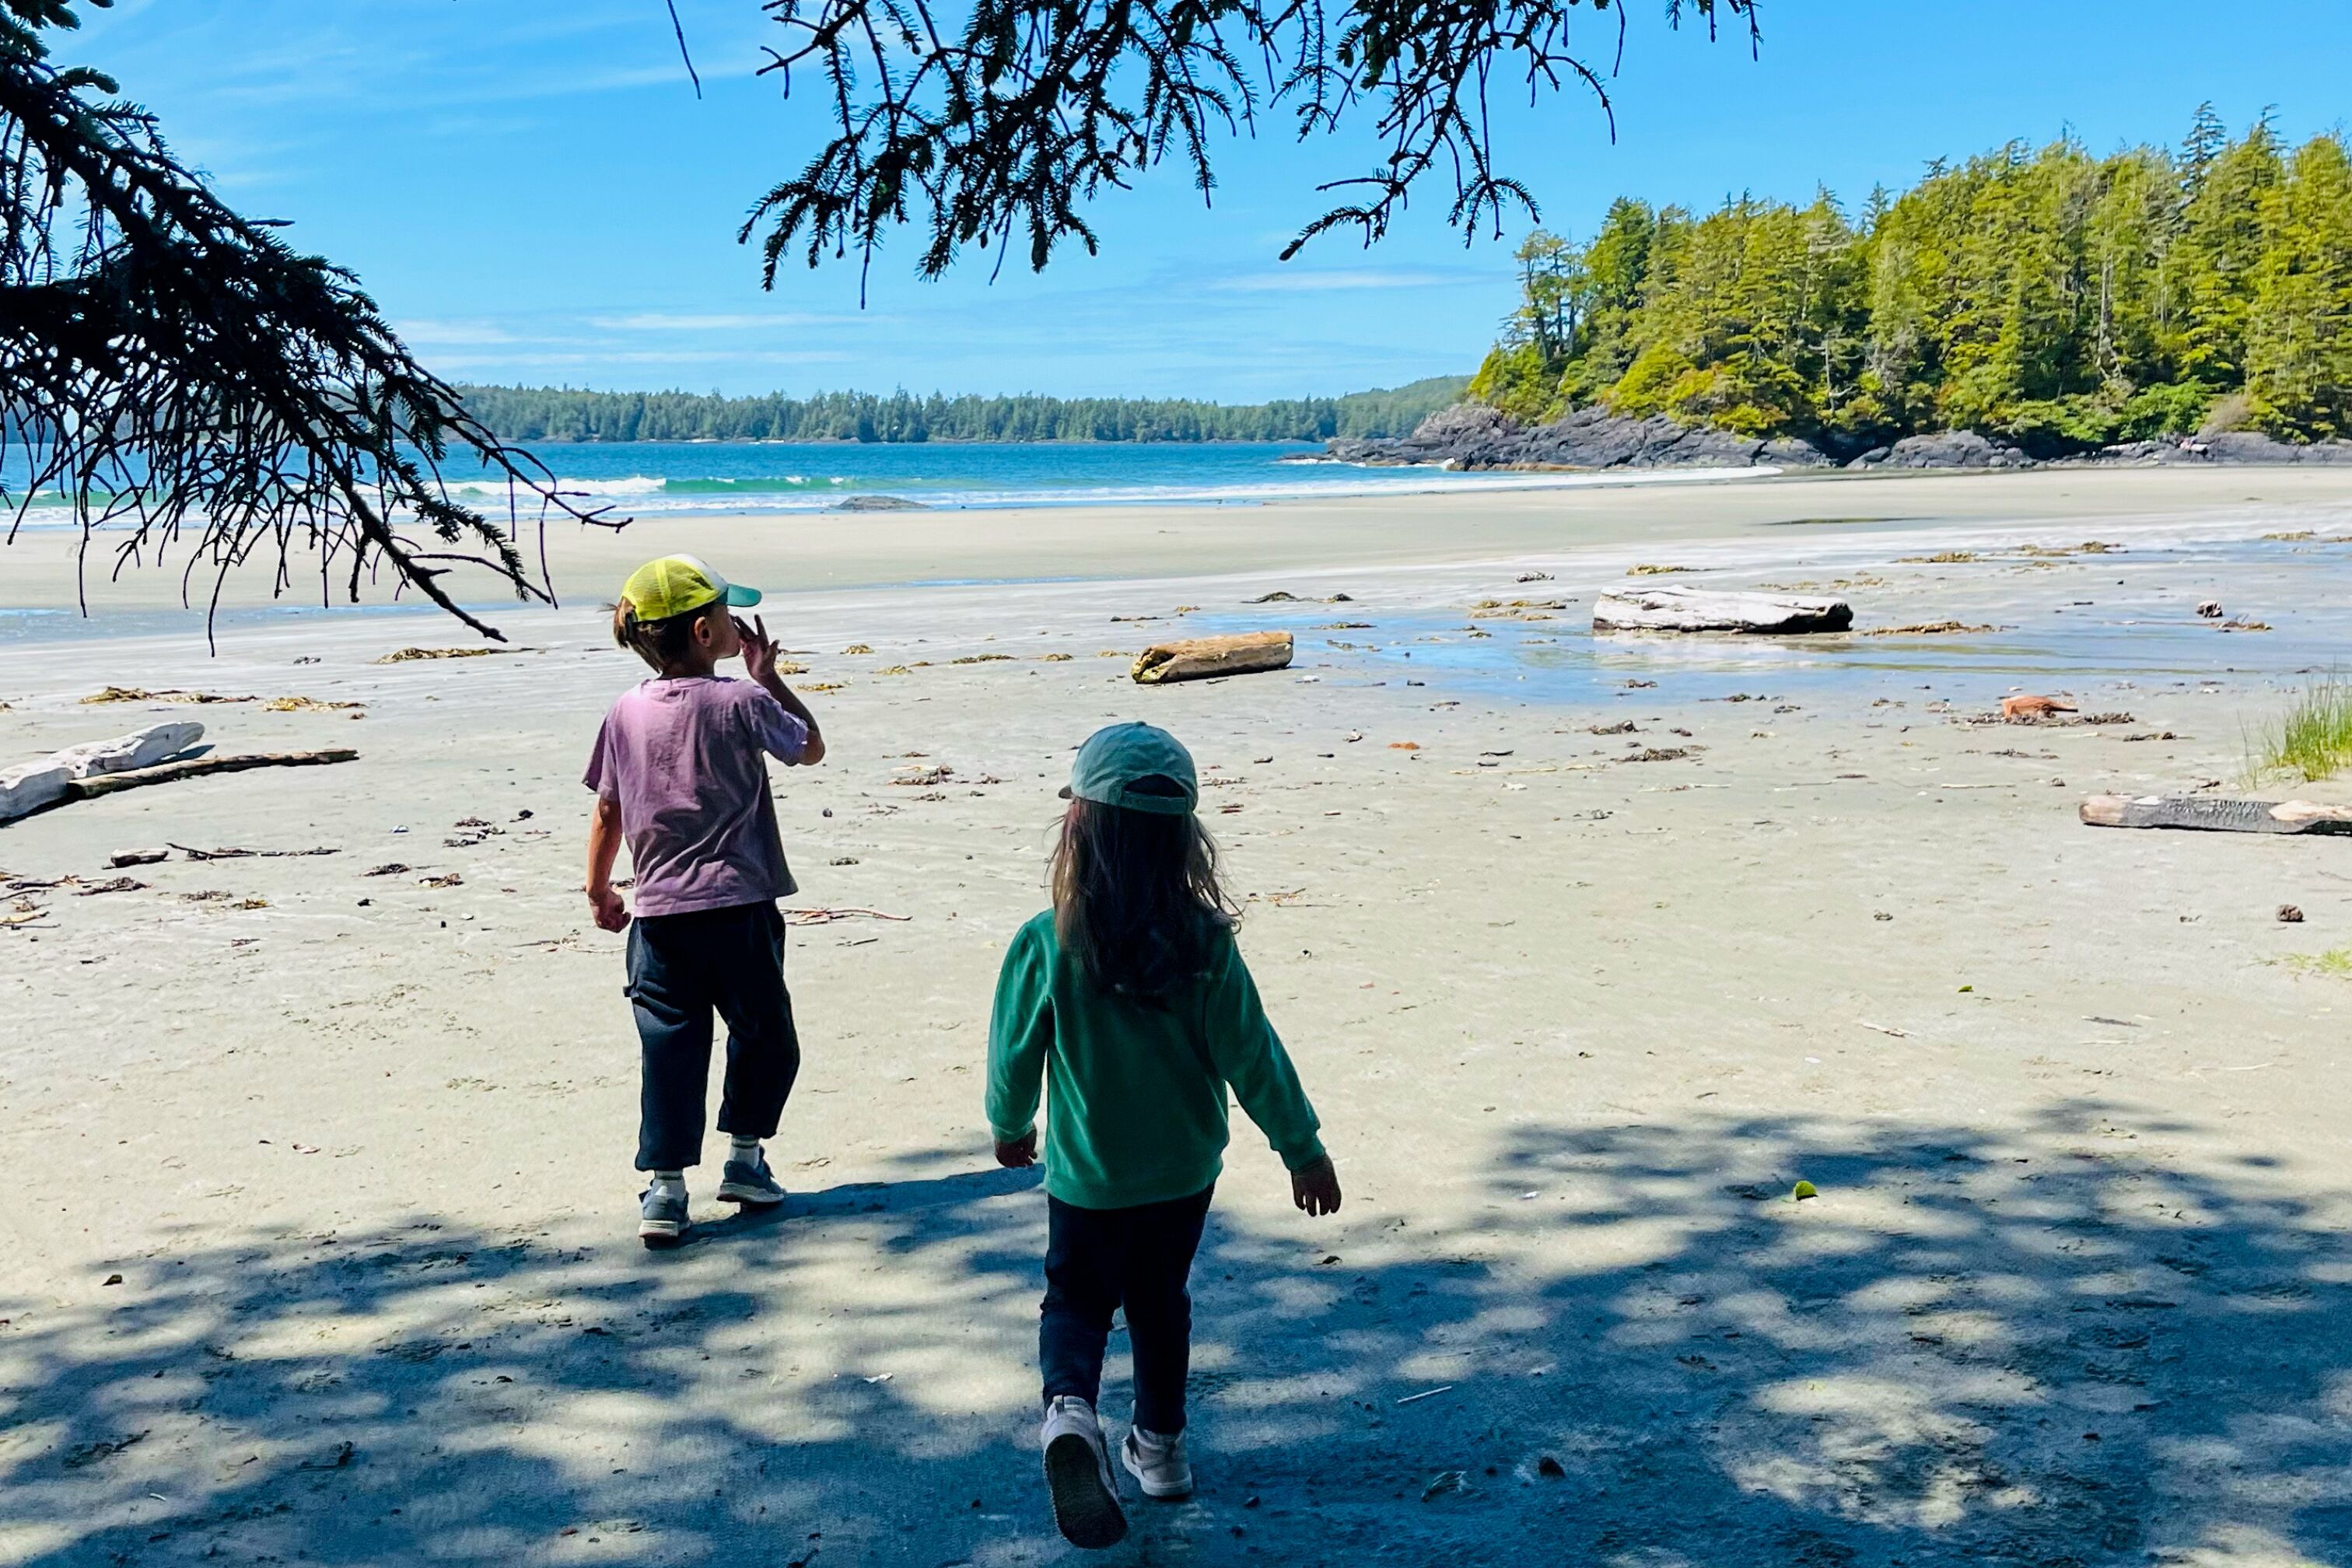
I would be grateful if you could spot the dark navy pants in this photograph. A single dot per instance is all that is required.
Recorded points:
(1098, 1260)
(682, 970)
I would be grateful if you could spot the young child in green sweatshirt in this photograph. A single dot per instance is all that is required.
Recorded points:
(1129, 1003)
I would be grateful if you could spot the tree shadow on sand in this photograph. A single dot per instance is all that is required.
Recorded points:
(2028, 1347)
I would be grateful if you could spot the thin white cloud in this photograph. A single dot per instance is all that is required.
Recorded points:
(1334, 281)
(425, 333)
(532, 359)
(353, 86)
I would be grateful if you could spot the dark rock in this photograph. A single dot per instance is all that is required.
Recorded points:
(2248, 446)
(1469, 436)
(880, 503)
(1953, 450)
(1787, 452)
(1461, 425)
(1473, 437)
(2234, 446)
(2143, 454)
(1704, 448)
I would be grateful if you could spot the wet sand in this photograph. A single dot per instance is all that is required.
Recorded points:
(1577, 1012)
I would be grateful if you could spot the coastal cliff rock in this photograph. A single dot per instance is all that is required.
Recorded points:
(2233, 446)
(1472, 435)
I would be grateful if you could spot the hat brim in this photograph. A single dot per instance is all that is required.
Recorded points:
(738, 597)
(1150, 804)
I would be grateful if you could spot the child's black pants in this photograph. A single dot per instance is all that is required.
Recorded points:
(682, 969)
(1097, 1260)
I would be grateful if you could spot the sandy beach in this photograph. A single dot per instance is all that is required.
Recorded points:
(321, 1243)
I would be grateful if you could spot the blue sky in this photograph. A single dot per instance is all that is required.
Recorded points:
(533, 191)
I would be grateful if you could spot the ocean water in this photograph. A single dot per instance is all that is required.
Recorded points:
(2132, 630)
(673, 477)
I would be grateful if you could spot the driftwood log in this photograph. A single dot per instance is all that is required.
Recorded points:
(1672, 609)
(2204, 814)
(36, 786)
(197, 767)
(1246, 653)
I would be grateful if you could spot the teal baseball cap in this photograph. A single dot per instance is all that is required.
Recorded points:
(1139, 766)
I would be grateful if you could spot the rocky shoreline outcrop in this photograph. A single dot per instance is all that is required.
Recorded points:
(1473, 436)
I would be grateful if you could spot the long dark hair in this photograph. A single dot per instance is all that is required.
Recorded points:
(1136, 897)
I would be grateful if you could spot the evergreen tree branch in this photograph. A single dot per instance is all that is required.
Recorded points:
(179, 374)
(1010, 124)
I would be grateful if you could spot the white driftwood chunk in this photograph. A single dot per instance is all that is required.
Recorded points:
(27, 788)
(140, 749)
(1672, 609)
(33, 786)
(1245, 653)
(2208, 814)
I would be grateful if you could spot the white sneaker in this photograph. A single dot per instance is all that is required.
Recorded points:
(1157, 1462)
(1079, 1476)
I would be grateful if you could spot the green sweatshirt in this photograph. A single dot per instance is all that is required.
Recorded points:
(1138, 1092)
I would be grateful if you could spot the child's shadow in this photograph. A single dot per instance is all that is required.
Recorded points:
(869, 1197)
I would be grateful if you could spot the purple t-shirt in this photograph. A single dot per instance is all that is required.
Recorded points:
(683, 759)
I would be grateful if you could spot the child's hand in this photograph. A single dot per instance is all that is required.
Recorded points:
(612, 912)
(1315, 1187)
(1022, 1151)
(758, 648)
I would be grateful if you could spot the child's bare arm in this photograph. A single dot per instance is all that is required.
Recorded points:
(604, 843)
(813, 753)
(760, 664)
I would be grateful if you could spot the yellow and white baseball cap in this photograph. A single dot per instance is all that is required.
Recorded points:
(679, 586)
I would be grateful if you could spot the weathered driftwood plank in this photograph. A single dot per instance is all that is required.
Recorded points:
(1672, 609)
(27, 789)
(197, 767)
(1245, 653)
(2205, 813)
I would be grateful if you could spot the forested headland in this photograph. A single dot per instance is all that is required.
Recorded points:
(563, 414)
(2056, 299)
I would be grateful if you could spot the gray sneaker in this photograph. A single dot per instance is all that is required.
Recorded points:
(1158, 1463)
(1077, 1476)
(662, 1220)
(751, 1184)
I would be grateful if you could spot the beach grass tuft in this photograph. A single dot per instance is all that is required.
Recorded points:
(2313, 738)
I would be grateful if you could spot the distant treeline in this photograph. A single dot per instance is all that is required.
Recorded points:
(561, 414)
(2057, 299)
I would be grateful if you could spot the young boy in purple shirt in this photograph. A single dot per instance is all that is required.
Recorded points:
(680, 771)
